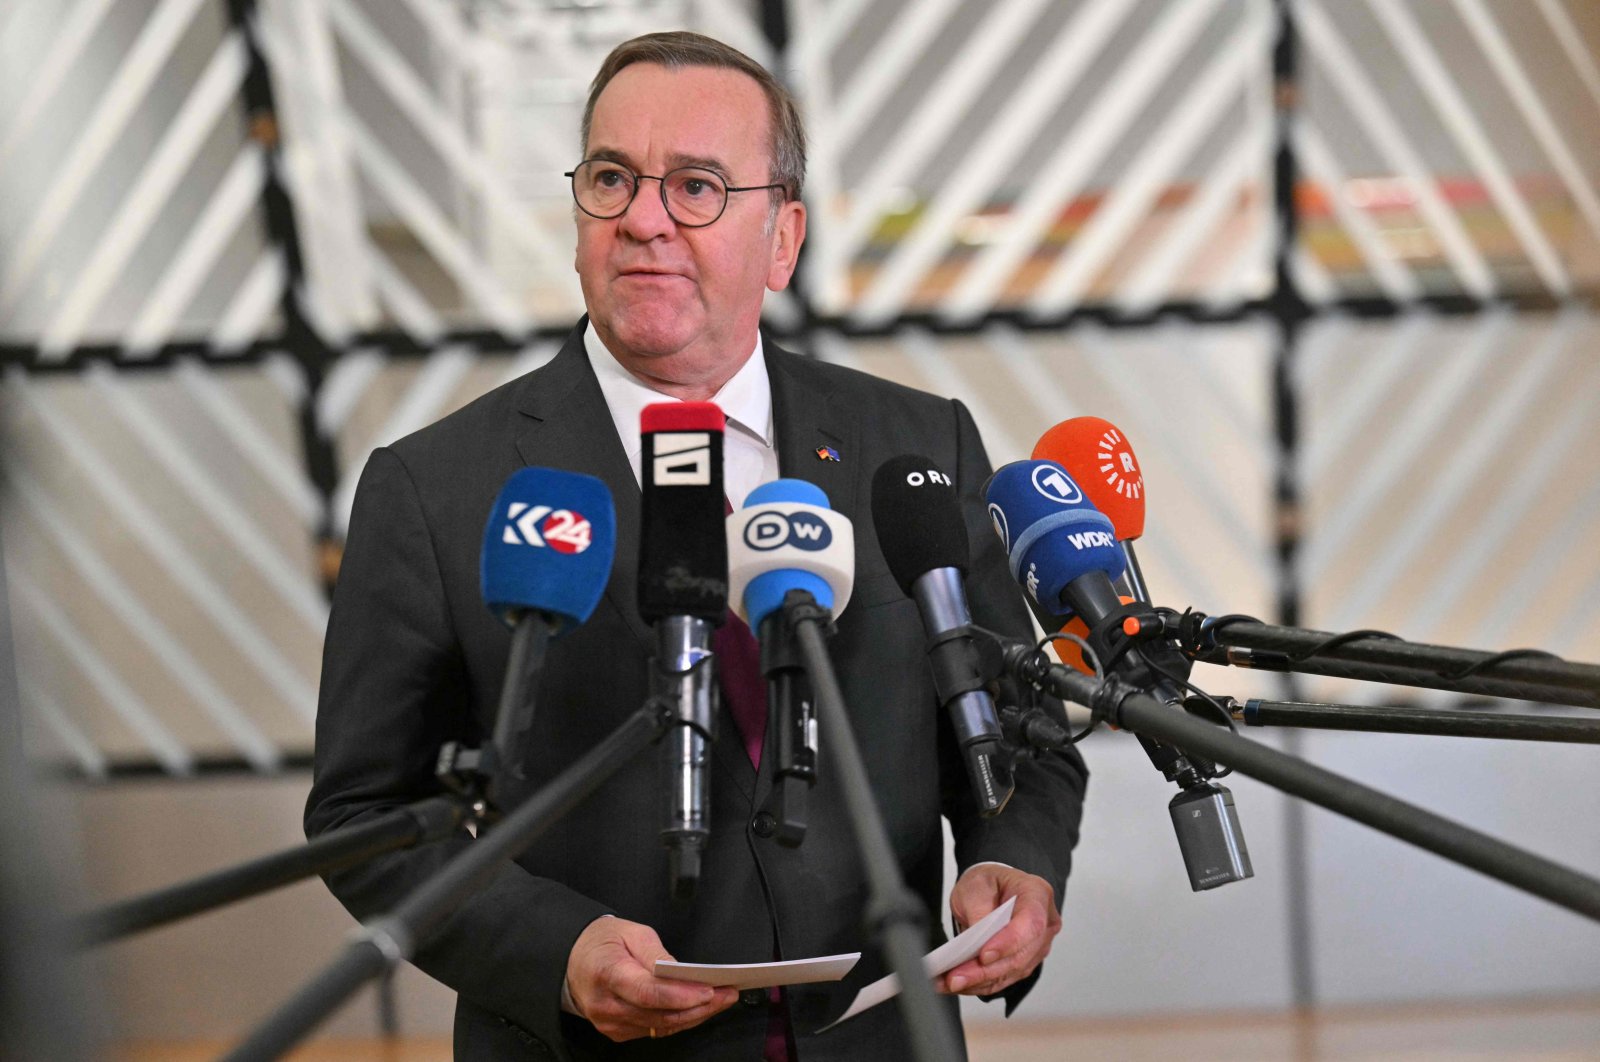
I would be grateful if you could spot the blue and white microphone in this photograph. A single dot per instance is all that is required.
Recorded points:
(786, 538)
(547, 553)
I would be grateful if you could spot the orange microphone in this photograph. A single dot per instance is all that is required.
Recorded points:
(1099, 459)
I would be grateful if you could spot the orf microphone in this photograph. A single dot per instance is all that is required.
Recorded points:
(924, 541)
(786, 538)
(547, 553)
(683, 590)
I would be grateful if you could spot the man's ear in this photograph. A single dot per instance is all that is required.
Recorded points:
(788, 233)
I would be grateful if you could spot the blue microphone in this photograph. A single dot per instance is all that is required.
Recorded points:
(548, 547)
(1061, 548)
(547, 553)
(787, 538)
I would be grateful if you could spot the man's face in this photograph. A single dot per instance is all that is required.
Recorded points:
(680, 305)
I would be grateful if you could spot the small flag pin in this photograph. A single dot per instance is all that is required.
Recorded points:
(827, 453)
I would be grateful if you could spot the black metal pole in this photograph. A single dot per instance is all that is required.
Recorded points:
(1518, 867)
(426, 820)
(1421, 678)
(1538, 673)
(1367, 718)
(391, 939)
(309, 349)
(1288, 309)
(895, 918)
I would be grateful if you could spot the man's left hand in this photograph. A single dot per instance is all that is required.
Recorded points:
(1018, 949)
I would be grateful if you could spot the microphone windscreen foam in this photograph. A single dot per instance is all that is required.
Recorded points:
(1098, 457)
(548, 546)
(683, 554)
(918, 516)
(787, 538)
(1051, 533)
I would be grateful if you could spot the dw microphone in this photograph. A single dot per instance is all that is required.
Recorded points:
(787, 538)
(683, 591)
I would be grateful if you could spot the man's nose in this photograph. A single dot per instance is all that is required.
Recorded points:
(647, 217)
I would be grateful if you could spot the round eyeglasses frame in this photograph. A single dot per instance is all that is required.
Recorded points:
(661, 181)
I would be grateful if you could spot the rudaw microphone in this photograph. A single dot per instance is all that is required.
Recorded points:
(1100, 460)
(1065, 553)
(547, 552)
(924, 541)
(683, 591)
(786, 538)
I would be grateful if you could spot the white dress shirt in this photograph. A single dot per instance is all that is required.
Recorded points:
(749, 454)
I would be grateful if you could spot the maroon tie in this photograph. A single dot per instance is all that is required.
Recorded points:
(743, 687)
(739, 666)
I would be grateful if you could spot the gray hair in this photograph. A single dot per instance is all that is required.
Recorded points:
(679, 49)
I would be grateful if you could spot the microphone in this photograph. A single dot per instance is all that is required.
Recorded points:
(547, 552)
(1100, 460)
(924, 541)
(683, 591)
(787, 538)
(1065, 553)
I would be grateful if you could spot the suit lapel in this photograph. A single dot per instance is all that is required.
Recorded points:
(567, 424)
(806, 415)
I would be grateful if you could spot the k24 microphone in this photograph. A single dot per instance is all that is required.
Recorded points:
(547, 552)
(786, 538)
(924, 541)
(683, 591)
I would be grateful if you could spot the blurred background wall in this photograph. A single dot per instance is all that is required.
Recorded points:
(1329, 263)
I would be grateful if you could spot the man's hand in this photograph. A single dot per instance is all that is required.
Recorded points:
(1018, 949)
(609, 976)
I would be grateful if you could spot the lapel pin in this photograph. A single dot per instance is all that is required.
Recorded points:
(827, 453)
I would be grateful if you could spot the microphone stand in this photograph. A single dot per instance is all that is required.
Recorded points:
(895, 918)
(1521, 674)
(470, 773)
(1119, 704)
(425, 821)
(794, 721)
(1373, 719)
(388, 940)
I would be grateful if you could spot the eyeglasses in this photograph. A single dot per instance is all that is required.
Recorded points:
(693, 197)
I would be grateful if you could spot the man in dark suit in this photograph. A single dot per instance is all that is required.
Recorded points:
(554, 958)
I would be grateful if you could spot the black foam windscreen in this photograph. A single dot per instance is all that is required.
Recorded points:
(918, 517)
(683, 539)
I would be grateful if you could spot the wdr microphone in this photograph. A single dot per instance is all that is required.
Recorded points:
(683, 590)
(924, 541)
(786, 538)
(1100, 460)
(547, 553)
(1064, 552)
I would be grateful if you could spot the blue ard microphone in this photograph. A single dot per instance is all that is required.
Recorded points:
(786, 538)
(547, 553)
(1065, 553)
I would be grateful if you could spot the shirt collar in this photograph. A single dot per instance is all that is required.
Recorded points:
(746, 399)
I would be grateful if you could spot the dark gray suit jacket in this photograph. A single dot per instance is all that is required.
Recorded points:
(413, 659)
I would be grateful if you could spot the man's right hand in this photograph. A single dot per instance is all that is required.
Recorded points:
(610, 979)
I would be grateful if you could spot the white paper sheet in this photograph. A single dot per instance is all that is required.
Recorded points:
(761, 974)
(943, 959)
